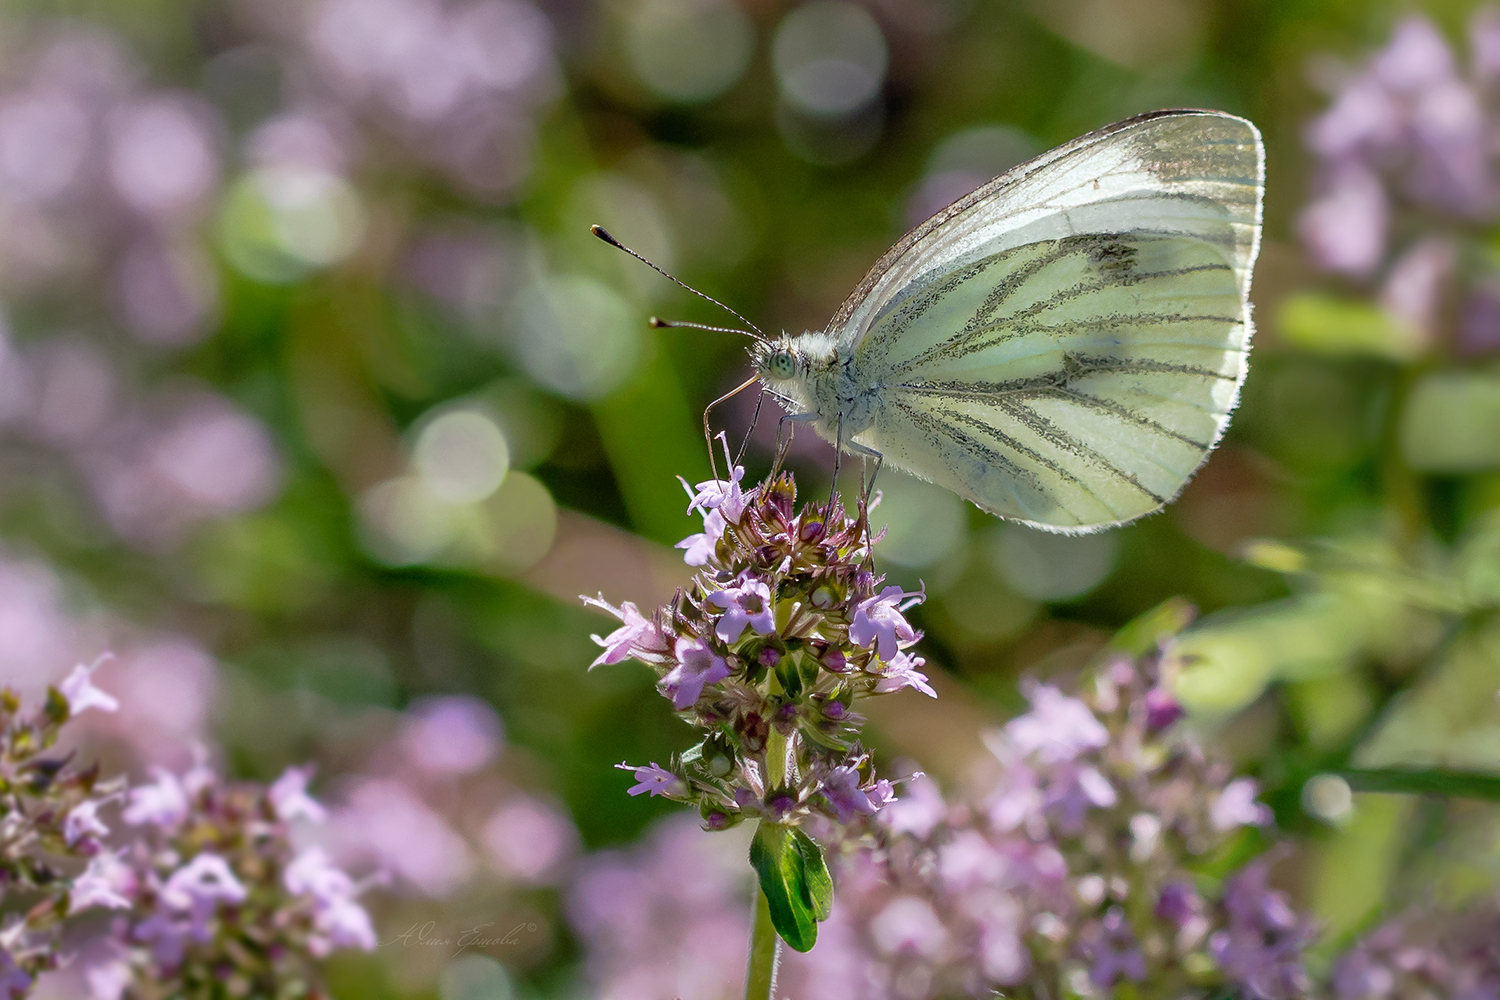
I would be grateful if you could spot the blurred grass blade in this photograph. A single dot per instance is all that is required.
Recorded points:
(1454, 784)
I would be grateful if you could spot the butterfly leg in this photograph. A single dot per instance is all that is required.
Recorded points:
(867, 487)
(739, 457)
(784, 437)
(838, 455)
(708, 437)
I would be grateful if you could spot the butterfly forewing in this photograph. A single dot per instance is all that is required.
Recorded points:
(1067, 343)
(1187, 171)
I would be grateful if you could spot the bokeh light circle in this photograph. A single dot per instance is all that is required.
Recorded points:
(576, 336)
(923, 522)
(279, 223)
(689, 51)
(830, 58)
(461, 456)
(1048, 567)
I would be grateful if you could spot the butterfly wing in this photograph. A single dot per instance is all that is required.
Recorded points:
(1064, 346)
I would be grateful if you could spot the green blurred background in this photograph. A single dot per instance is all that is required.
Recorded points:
(313, 368)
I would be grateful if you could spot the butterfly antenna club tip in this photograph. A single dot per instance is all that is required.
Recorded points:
(603, 234)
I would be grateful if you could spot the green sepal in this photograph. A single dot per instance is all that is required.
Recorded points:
(818, 736)
(57, 707)
(809, 668)
(789, 677)
(781, 867)
(815, 875)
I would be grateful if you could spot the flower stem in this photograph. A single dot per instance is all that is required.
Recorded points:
(765, 952)
(765, 943)
(775, 759)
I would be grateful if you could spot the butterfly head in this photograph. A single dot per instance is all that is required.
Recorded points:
(777, 361)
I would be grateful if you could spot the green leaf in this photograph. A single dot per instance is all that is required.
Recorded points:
(780, 866)
(1329, 325)
(815, 875)
(1140, 635)
(1435, 781)
(1448, 423)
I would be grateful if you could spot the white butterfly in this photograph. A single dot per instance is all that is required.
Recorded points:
(1064, 345)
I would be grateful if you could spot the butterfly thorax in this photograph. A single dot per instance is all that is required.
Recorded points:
(810, 377)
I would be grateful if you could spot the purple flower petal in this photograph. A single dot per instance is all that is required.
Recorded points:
(697, 666)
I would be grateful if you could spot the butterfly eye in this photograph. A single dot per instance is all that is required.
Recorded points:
(781, 365)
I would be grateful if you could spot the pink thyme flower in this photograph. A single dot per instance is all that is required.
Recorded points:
(697, 665)
(842, 790)
(1236, 806)
(340, 921)
(78, 688)
(901, 672)
(202, 884)
(637, 635)
(748, 604)
(83, 821)
(1057, 729)
(288, 795)
(793, 686)
(878, 622)
(653, 778)
(15, 982)
(700, 547)
(106, 882)
(162, 804)
(718, 494)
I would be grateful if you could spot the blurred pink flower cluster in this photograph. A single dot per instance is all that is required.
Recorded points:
(166, 682)
(1425, 952)
(432, 811)
(213, 888)
(203, 881)
(106, 186)
(458, 84)
(104, 180)
(1072, 874)
(669, 916)
(156, 466)
(1411, 135)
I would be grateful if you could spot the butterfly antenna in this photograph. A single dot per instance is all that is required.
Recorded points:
(600, 232)
(671, 324)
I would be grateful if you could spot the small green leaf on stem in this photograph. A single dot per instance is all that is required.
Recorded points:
(779, 864)
(814, 875)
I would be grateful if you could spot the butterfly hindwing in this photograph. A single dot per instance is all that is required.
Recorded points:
(1067, 383)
